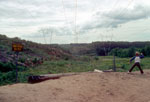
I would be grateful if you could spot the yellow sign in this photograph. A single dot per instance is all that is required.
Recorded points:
(17, 47)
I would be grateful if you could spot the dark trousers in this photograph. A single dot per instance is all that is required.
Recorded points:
(138, 65)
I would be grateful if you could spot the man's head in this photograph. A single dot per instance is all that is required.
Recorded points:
(137, 53)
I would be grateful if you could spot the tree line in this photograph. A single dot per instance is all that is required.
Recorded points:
(129, 52)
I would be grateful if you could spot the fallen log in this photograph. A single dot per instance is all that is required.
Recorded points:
(40, 78)
(37, 79)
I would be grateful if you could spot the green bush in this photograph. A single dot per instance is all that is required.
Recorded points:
(7, 78)
(35, 60)
(22, 68)
(10, 77)
(23, 77)
(96, 58)
(147, 50)
(22, 60)
(66, 58)
(6, 67)
(85, 58)
(131, 52)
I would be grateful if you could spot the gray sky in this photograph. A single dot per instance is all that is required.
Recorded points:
(59, 21)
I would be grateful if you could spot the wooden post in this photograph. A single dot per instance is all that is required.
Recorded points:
(114, 64)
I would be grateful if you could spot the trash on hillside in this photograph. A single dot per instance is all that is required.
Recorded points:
(99, 71)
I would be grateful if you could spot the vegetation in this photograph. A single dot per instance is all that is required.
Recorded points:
(38, 59)
(8, 72)
(83, 64)
(129, 52)
(33, 55)
(104, 48)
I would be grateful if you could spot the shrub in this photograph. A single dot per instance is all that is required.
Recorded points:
(35, 60)
(85, 58)
(131, 52)
(61, 64)
(6, 67)
(7, 78)
(66, 58)
(96, 58)
(22, 60)
(147, 50)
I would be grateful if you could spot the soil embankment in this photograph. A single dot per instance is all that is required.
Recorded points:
(85, 87)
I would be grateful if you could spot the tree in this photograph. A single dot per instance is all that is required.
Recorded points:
(131, 51)
(100, 52)
(147, 50)
(143, 51)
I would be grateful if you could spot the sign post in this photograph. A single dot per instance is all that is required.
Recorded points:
(17, 53)
(114, 64)
(17, 47)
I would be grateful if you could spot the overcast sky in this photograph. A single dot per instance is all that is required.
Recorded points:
(61, 21)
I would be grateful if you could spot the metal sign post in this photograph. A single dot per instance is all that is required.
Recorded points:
(17, 47)
(114, 64)
(17, 53)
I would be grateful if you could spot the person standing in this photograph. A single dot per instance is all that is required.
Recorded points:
(137, 58)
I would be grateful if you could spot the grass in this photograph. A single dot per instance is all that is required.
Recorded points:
(83, 64)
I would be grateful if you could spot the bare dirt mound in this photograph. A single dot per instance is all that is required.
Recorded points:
(86, 87)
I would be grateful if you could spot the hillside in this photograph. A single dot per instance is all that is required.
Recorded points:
(32, 51)
(85, 87)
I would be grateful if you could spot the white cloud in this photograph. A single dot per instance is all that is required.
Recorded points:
(24, 18)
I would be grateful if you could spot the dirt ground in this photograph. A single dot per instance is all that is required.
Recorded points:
(85, 87)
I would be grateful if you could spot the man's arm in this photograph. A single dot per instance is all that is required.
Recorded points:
(132, 59)
(141, 56)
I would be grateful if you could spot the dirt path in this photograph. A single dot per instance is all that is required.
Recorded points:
(86, 87)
